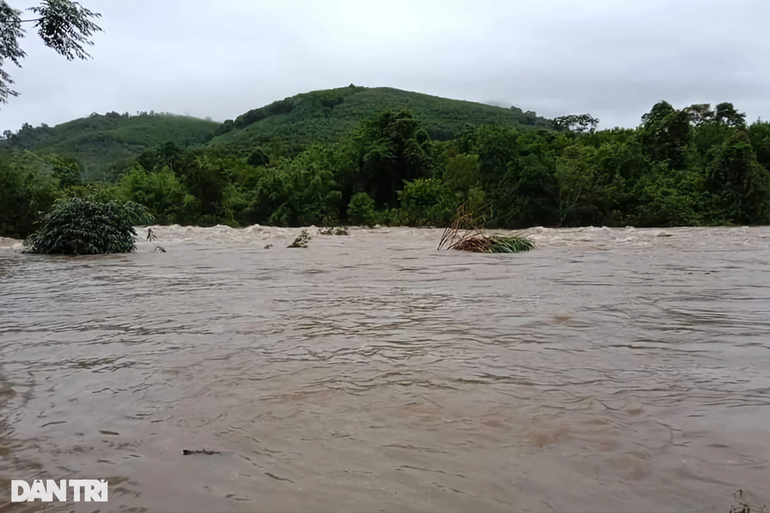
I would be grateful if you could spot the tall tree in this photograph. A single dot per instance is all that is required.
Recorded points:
(392, 149)
(63, 25)
(665, 133)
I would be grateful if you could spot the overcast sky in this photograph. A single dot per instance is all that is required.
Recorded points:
(219, 58)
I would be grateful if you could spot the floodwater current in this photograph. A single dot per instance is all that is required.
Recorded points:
(620, 370)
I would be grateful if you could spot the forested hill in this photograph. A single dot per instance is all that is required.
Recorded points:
(104, 144)
(110, 142)
(329, 114)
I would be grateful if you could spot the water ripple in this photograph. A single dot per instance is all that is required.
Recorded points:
(613, 370)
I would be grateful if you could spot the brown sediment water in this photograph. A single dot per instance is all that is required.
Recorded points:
(617, 370)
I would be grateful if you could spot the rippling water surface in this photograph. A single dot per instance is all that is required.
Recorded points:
(607, 370)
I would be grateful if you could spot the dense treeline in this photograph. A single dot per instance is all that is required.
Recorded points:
(695, 166)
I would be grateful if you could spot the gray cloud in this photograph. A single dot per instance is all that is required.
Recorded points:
(219, 58)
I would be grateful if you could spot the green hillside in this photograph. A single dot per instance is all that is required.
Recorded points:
(327, 115)
(108, 143)
(105, 143)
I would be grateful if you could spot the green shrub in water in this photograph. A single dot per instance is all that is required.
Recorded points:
(84, 226)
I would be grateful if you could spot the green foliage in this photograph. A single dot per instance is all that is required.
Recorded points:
(161, 192)
(98, 191)
(665, 134)
(514, 244)
(301, 191)
(667, 198)
(67, 171)
(63, 25)
(738, 184)
(84, 226)
(461, 174)
(26, 189)
(361, 210)
(517, 173)
(586, 193)
(179, 186)
(426, 202)
(391, 149)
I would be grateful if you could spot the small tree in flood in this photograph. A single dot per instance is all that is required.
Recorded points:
(83, 226)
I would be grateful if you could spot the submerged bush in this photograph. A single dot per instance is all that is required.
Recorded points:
(83, 226)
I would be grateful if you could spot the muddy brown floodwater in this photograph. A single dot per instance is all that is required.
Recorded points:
(608, 370)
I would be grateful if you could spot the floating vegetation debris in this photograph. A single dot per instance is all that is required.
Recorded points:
(333, 231)
(187, 452)
(160, 249)
(301, 240)
(466, 234)
(745, 502)
(150, 235)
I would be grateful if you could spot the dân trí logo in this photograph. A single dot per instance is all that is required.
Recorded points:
(86, 490)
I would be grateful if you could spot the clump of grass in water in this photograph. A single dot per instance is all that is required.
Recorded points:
(466, 234)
